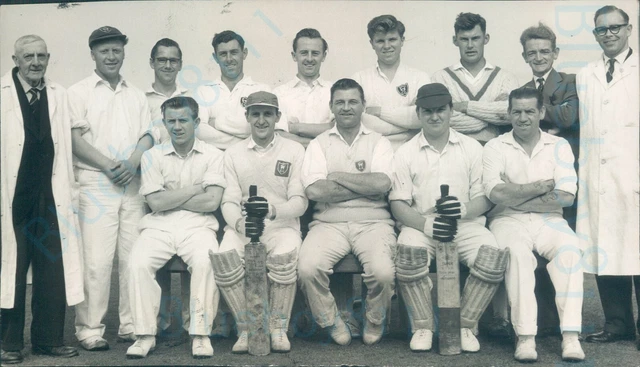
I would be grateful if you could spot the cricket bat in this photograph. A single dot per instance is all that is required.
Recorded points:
(256, 291)
(448, 277)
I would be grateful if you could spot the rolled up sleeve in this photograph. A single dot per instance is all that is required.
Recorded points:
(382, 158)
(152, 179)
(564, 174)
(402, 188)
(314, 166)
(492, 166)
(215, 174)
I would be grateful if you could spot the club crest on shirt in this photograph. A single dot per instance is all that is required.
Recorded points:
(282, 169)
(360, 165)
(243, 101)
(403, 89)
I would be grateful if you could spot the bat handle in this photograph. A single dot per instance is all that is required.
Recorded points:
(253, 190)
(444, 190)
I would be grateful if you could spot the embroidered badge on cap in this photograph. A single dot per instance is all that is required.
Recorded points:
(360, 165)
(105, 29)
(282, 169)
(403, 89)
(243, 101)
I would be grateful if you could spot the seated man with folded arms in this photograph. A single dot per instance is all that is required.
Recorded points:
(529, 174)
(440, 155)
(273, 164)
(182, 182)
(305, 99)
(347, 170)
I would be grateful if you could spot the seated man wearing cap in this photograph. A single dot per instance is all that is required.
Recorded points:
(273, 164)
(347, 170)
(109, 122)
(182, 182)
(436, 156)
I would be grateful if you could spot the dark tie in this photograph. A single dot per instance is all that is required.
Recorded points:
(612, 67)
(34, 95)
(540, 84)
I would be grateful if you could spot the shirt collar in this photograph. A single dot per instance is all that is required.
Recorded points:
(363, 130)
(545, 139)
(26, 86)
(620, 58)
(168, 149)
(179, 91)
(458, 66)
(454, 138)
(296, 82)
(246, 80)
(253, 145)
(545, 77)
(401, 68)
(96, 79)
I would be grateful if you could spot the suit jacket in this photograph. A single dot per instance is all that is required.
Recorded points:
(561, 103)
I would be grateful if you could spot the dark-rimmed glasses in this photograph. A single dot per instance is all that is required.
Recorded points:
(614, 29)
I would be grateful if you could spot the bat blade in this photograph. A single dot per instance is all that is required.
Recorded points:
(255, 260)
(448, 276)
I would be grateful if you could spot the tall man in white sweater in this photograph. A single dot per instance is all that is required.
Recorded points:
(480, 90)
(390, 86)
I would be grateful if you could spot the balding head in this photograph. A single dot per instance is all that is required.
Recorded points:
(31, 58)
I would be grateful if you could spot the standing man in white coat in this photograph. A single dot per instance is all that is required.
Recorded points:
(608, 212)
(39, 225)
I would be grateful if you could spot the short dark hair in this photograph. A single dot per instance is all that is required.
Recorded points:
(609, 9)
(180, 102)
(385, 24)
(541, 32)
(468, 21)
(224, 37)
(526, 93)
(309, 33)
(165, 42)
(344, 84)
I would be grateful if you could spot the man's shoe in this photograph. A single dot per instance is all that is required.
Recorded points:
(63, 351)
(143, 345)
(526, 349)
(94, 343)
(607, 337)
(279, 341)
(11, 357)
(468, 341)
(571, 349)
(127, 338)
(498, 328)
(242, 345)
(372, 332)
(421, 340)
(339, 332)
(201, 347)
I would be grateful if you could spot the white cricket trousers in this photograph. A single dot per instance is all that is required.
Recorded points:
(152, 250)
(551, 237)
(109, 217)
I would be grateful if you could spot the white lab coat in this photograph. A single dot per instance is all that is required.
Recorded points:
(608, 211)
(63, 183)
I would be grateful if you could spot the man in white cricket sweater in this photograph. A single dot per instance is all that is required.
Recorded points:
(390, 86)
(348, 170)
(479, 89)
(273, 163)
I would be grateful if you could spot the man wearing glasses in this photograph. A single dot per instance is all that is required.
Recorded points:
(608, 90)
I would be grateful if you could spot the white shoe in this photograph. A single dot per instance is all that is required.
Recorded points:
(340, 332)
(421, 340)
(94, 343)
(372, 332)
(143, 345)
(468, 341)
(279, 341)
(201, 347)
(242, 345)
(526, 349)
(571, 349)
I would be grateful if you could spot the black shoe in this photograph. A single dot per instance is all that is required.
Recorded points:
(12, 357)
(498, 328)
(63, 351)
(607, 337)
(544, 332)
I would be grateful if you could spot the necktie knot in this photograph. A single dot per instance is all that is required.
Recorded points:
(612, 63)
(540, 84)
(34, 95)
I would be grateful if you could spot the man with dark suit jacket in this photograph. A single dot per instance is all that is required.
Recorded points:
(561, 119)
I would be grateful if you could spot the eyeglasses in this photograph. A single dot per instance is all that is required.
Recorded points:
(614, 29)
(163, 60)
